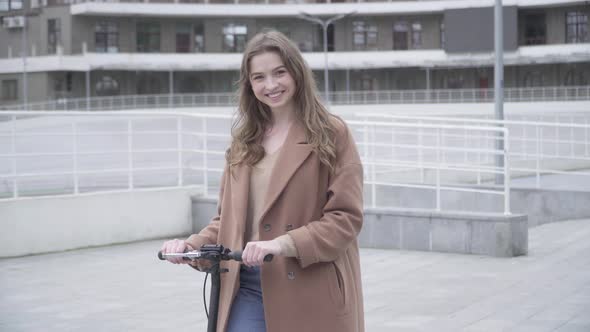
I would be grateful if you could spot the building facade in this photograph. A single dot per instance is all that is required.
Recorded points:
(77, 49)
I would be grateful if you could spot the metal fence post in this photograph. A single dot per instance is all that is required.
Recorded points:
(129, 154)
(179, 145)
(538, 157)
(506, 173)
(205, 153)
(586, 137)
(15, 193)
(572, 145)
(438, 162)
(421, 152)
(75, 155)
(558, 140)
(366, 156)
(373, 177)
(481, 146)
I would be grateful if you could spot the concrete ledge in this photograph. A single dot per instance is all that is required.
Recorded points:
(57, 223)
(203, 210)
(457, 232)
(540, 205)
(550, 205)
(426, 230)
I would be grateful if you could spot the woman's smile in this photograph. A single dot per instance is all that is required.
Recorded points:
(271, 82)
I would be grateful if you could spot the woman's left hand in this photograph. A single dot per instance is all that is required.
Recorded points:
(255, 251)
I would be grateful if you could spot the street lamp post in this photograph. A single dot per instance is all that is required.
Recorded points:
(324, 24)
(24, 55)
(499, 83)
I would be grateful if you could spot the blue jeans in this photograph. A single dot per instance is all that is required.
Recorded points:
(247, 312)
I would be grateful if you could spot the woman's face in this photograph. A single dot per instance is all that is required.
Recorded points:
(271, 82)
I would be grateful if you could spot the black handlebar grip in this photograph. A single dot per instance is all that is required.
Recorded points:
(160, 256)
(237, 256)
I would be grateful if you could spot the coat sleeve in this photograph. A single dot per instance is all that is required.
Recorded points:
(325, 239)
(208, 235)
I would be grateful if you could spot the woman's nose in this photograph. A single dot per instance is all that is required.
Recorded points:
(271, 83)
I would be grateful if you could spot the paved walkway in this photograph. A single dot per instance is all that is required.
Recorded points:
(125, 288)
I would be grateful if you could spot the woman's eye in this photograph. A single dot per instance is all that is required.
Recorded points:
(281, 72)
(257, 78)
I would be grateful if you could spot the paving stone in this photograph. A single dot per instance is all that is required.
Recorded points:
(126, 288)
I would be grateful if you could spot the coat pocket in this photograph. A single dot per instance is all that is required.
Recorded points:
(339, 285)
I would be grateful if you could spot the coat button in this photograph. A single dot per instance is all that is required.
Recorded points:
(291, 275)
(289, 227)
(267, 227)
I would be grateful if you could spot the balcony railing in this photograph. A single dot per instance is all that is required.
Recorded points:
(47, 3)
(160, 101)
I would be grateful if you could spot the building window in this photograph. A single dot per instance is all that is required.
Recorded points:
(183, 38)
(107, 86)
(234, 37)
(416, 35)
(405, 33)
(199, 38)
(443, 38)
(69, 81)
(535, 30)
(191, 84)
(9, 90)
(452, 80)
(148, 83)
(6, 5)
(148, 37)
(400, 35)
(533, 79)
(106, 37)
(53, 35)
(364, 35)
(576, 27)
(365, 82)
(575, 78)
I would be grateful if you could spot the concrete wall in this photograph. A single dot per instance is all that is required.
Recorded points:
(545, 206)
(425, 230)
(471, 29)
(541, 206)
(462, 233)
(39, 225)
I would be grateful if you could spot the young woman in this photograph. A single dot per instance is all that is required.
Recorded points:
(292, 187)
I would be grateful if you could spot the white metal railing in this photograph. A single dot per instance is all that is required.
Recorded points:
(161, 101)
(422, 156)
(78, 152)
(538, 148)
(46, 3)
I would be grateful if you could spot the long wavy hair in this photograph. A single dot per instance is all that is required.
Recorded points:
(255, 117)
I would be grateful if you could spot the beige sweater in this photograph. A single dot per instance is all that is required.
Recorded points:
(259, 181)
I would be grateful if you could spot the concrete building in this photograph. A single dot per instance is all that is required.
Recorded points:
(79, 48)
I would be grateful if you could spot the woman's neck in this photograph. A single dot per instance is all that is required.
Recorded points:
(282, 118)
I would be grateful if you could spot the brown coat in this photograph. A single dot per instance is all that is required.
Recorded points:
(323, 212)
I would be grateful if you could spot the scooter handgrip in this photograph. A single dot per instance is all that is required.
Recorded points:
(160, 256)
(237, 256)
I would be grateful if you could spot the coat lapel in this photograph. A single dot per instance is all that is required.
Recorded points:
(293, 153)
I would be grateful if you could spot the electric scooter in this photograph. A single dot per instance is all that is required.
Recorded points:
(215, 254)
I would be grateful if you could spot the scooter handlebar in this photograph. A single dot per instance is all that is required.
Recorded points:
(237, 256)
(233, 255)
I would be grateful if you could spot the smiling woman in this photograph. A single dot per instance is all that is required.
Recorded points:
(292, 187)
(271, 83)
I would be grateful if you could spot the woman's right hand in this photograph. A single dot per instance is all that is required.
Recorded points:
(173, 247)
(180, 246)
